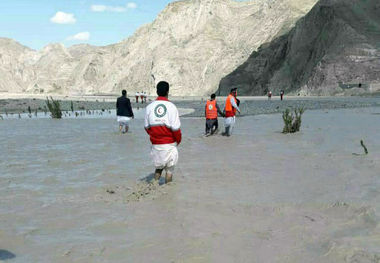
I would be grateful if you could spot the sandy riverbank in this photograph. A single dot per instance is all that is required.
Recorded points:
(112, 97)
(249, 105)
(74, 191)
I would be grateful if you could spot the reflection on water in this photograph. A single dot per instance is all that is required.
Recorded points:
(88, 114)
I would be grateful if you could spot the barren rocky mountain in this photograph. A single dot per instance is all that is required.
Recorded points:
(332, 50)
(192, 44)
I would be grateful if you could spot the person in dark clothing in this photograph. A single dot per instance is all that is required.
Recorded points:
(282, 94)
(124, 112)
(211, 112)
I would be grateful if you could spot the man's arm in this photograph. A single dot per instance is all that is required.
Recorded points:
(178, 136)
(233, 103)
(130, 108)
(176, 126)
(219, 111)
(146, 122)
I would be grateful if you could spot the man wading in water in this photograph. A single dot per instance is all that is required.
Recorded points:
(164, 128)
(211, 112)
(230, 111)
(124, 112)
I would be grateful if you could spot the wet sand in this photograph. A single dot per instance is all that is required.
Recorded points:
(76, 191)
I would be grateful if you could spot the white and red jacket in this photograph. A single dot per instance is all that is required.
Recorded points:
(162, 122)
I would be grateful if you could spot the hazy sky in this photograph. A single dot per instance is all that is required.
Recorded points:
(36, 23)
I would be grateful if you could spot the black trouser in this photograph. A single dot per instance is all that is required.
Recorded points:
(211, 125)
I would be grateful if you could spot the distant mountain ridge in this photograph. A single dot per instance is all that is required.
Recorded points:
(191, 44)
(332, 50)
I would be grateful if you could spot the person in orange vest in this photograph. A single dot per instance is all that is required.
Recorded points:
(230, 110)
(211, 112)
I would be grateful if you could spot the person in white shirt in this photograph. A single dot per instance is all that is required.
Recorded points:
(137, 95)
(163, 125)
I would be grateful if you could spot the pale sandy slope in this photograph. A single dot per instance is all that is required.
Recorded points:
(192, 44)
(259, 196)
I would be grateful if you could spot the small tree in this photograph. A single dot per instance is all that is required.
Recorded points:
(292, 122)
(54, 107)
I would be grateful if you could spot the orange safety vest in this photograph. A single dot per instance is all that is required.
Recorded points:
(211, 110)
(228, 108)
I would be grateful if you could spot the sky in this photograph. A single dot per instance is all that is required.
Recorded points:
(36, 23)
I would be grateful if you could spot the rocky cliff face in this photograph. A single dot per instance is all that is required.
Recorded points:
(14, 70)
(330, 51)
(191, 44)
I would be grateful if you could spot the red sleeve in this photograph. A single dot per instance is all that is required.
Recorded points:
(178, 136)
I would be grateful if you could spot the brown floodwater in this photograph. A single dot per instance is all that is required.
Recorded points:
(258, 196)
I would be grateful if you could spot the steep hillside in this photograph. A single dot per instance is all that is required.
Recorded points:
(14, 73)
(330, 51)
(192, 44)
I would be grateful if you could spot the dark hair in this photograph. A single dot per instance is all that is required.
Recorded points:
(213, 96)
(123, 92)
(233, 89)
(162, 88)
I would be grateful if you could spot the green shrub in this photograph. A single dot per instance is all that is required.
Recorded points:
(54, 107)
(292, 122)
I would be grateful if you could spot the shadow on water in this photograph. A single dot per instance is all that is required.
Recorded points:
(150, 179)
(5, 255)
